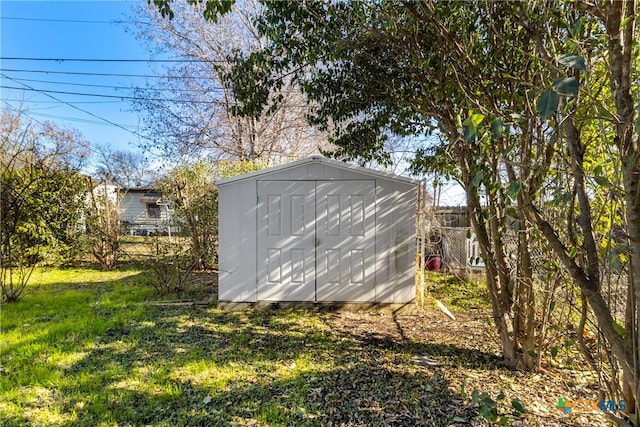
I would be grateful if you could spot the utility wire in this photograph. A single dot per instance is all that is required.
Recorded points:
(76, 119)
(204, 61)
(72, 21)
(78, 73)
(220, 89)
(121, 97)
(57, 102)
(31, 115)
(20, 111)
(79, 109)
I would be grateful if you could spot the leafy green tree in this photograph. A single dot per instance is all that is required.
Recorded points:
(229, 168)
(41, 198)
(582, 95)
(380, 69)
(510, 88)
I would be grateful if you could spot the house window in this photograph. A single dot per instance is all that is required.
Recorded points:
(153, 210)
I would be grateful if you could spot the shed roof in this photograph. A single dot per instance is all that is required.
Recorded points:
(318, 160)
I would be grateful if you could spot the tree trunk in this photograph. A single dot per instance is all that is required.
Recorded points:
(631, 175)
(501, 311)
(592, 293)
(621, 41)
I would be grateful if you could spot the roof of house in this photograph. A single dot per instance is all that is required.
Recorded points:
(318, 160)
(138, 189)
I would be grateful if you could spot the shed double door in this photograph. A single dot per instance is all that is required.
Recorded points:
(316, 240)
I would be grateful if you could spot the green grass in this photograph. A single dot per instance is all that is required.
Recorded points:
(83, 348)
(60, 318)
(457, 293)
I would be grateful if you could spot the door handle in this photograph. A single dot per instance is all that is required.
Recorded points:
(317, 242)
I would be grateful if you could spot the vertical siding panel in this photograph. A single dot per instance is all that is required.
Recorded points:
(384, 237)
(229, 245)
(395, 244)
(246, 229)
(237, 239)
(405, 243)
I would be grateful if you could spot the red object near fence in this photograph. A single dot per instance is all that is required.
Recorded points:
(434, 263)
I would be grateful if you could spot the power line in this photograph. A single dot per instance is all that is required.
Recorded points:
(20, 111)
(121, 97)
(76, 119)
(78, 108)
(72, 21)
(204, 61)
(220, 89)
(57, 102)
(79, 73)
(31, 115)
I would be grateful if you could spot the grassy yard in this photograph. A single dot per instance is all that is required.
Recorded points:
(86, 347)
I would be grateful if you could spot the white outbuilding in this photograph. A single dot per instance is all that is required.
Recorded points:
(317, 230)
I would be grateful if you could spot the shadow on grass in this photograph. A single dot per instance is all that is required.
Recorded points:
(359, 395)
(193, 366)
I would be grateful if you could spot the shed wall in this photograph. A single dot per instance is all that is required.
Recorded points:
(237, 238)
(395, 242)
(395, 232)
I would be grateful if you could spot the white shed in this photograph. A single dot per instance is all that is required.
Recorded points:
(317, 230)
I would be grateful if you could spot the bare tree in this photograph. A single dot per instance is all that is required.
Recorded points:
(191, 111)
(126, 169)
(103, 222)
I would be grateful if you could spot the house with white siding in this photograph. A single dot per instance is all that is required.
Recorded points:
(143, 211)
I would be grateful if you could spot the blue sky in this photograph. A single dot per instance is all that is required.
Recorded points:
(84, 95)
(85, 30)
